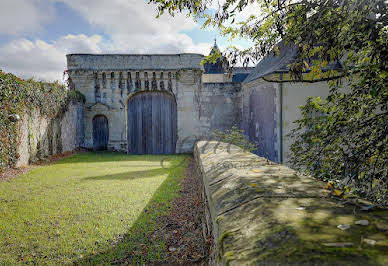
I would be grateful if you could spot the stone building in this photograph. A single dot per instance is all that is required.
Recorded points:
(164, 103)
(154, 103)
(271, 100)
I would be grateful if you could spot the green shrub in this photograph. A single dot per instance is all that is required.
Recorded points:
(236, 137)
(344, 140)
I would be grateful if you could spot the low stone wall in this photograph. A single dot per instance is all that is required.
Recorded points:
(264, 213)
(40, 137)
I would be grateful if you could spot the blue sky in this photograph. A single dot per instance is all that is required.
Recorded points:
(35, 35)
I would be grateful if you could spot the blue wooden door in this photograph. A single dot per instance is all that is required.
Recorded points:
(100, 133)
(262, 124)
(152, 123)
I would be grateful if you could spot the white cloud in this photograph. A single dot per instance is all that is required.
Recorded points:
(80, 43)
(130, 26)
(133, 28)
(43, 60)
(24, 16)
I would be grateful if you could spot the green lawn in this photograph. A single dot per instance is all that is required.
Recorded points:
(91, 208)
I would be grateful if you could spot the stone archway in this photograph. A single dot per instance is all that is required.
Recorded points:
(152, 123)
(100, 133)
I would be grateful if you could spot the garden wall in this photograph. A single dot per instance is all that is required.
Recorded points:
(40, 136)
(263, 213)
(37, 119)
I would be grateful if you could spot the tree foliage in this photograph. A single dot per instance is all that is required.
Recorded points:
(347, 140)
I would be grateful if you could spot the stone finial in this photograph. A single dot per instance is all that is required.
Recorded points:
(137, 82)
(129, 83)
(97, 89)
(121, 84)
(146, 82)
(104, 80)
(169, 84)
(161, 81)
(154, 84)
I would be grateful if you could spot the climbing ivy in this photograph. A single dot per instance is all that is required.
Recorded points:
(18, 97)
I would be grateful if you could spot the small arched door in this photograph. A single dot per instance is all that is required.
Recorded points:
(100, 133)
(152, 123)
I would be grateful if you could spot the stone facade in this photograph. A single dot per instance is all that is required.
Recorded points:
(262, 101)
(109, 81)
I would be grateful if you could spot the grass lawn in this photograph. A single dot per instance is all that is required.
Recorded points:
(91, 208)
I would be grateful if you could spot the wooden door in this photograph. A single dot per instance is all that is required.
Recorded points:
(152, 123)
(100, 133)
(262, 125)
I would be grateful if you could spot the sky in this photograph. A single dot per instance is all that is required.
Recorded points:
(36, 35)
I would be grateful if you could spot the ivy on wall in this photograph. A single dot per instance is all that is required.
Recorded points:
(18, 97)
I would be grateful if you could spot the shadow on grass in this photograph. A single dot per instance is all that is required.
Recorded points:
(137, 246)
(164, 161)
(130, 175)
(108, 156)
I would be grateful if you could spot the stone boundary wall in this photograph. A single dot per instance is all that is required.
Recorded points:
(40, 137)
(263, 213)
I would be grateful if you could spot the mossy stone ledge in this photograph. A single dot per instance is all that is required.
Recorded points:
(264, 213)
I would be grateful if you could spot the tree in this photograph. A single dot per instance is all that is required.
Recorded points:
(347, 142)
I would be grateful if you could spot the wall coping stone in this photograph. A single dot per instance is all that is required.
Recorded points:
(105, 62)
(264, 213)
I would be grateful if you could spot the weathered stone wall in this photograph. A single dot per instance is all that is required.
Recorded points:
(221, 105)
(295, 95)
(263, 213)
(40, 136)
(108, 81)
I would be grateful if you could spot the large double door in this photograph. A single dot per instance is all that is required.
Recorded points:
(152, 123)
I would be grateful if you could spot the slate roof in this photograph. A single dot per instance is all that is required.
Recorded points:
(273, 63)
(247, 70)
(239, 77)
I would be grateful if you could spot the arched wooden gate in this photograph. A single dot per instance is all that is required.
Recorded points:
(100, 133)
(152, 123)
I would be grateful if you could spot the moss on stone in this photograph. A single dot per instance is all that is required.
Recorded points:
(228, 256)
(222, 237)
(314, 253)
(219, 218)
(293, 223)
(221, 240)
(283, 245)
